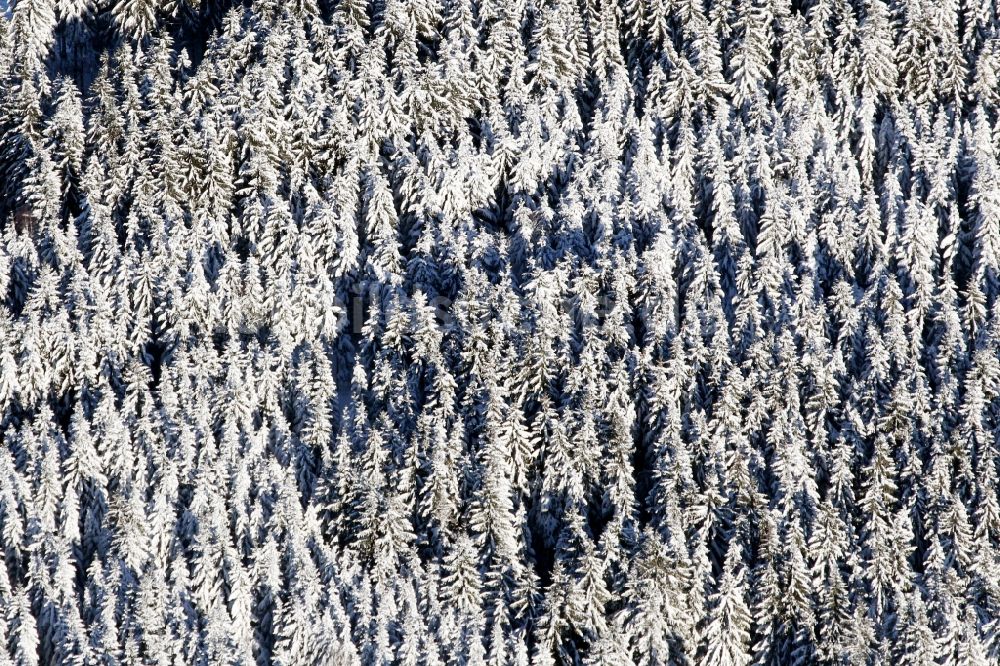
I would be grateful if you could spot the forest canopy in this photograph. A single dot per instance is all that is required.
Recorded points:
(655, 332)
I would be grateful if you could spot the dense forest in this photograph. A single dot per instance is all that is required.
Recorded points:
(427, 332)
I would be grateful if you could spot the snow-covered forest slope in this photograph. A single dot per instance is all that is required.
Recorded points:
(426, 332)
